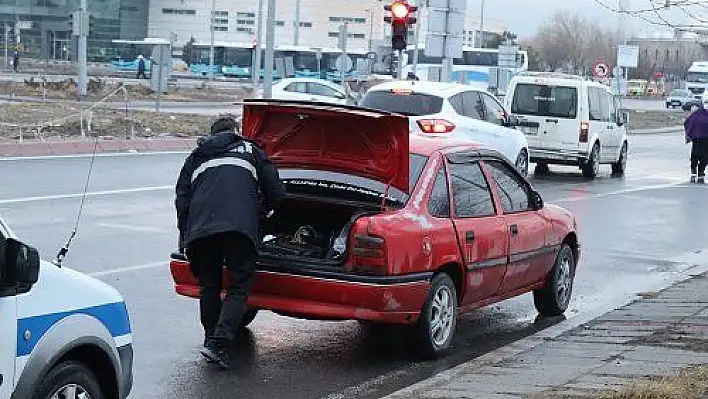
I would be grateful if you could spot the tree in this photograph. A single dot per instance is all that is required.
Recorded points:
(572, 42)
(187, 50)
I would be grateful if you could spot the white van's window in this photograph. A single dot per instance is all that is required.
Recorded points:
(613, 108)
(595, 101)
(544, 100)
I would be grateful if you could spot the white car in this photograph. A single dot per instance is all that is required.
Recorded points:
(62, 334)
(569, 120)
(451, 110)
(309, 89)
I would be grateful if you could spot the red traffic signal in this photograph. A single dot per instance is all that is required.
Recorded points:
(400, 12)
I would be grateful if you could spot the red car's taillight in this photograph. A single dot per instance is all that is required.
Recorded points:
(584, 131)
(369, 254)
(436, 126)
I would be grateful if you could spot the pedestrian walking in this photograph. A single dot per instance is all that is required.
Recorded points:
(696, 129)
(15, 60)
(141, 67)
(224, 188)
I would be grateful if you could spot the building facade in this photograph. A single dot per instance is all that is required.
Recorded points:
(235, 21)
(41, 29)
(669, 56)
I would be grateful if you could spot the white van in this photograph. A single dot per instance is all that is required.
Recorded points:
(62, 334)
(568, 120)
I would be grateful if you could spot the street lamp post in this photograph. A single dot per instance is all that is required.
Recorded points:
(211, 47)
(481, 26)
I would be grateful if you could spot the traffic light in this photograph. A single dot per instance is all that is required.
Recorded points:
(400, 19)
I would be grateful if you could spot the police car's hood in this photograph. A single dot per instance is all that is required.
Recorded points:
(334, 138)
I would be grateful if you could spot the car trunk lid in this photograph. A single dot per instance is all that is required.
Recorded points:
(332, 138)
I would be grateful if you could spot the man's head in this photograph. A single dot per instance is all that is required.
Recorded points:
(226, 123)
(704, 100)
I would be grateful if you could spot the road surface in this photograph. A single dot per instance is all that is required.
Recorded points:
(635, 231)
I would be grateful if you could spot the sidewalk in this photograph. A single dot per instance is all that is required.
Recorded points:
(70, 147)
(655, 336)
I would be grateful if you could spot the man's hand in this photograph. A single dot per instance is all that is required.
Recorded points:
(688, 140)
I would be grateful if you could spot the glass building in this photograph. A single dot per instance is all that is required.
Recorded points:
(41, 28)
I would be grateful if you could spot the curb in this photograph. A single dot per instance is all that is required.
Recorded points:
(526, 344)
(87, 147)
(661, 130)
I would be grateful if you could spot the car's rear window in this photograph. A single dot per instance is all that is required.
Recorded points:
(417, 163)
(406, 103)
(545, 100)
(679, 93)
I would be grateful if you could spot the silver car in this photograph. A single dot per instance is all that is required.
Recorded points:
(678, 97)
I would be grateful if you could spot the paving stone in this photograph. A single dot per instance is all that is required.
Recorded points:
(633, 369)
(596, 339)
(655, 354)
(598, 382)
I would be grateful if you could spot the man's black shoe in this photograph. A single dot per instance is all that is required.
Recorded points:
(216, 353)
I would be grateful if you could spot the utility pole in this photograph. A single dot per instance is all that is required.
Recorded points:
(7, 32)
(83, 33)
(297, 22)
(481, 26)
(269, 50)
(343, 35)
(211, 47)
(416, 39)
(259, 40)
(447, 61)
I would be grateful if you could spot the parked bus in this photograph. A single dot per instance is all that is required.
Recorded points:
(473, 66)
(230, 59)
(126, 52)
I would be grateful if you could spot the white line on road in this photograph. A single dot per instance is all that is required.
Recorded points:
(89, 194)
(619, 192)
(119, 270)
(79, 156)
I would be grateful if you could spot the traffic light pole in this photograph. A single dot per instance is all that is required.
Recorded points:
(399, 71)
(257, 58)
(270, 44)
(81, 88)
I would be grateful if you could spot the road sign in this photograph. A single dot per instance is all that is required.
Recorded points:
(24, 25)
(601, 69)
(628, 56)
(446, 20)
(507, 56)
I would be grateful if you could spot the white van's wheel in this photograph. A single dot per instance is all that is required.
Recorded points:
(620, 166)
(591, 168)
(69, 380)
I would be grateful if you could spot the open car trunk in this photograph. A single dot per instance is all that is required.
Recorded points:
(310, 231)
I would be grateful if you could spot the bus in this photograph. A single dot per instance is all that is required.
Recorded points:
(473, 67)
(236, 60)
(231, 59)
(126, 52)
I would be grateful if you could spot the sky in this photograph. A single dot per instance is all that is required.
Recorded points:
(524, 17)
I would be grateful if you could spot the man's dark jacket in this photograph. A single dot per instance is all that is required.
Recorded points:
(226, 184)
(696, 126)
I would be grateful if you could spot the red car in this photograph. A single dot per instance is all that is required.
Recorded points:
(384, 227)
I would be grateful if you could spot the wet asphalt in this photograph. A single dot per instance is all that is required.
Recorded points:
(635, 231)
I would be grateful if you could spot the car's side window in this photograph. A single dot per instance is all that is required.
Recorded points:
(473, 105)
(470, 191)
(604, 105)
(2, 258)
(514, 192)
(595, 104)
(494, 111)
(322, 90)
(439, 202)
(456, 102)
(611, 106)
(295, 88)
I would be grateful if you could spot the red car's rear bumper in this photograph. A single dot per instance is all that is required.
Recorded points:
(326, 295)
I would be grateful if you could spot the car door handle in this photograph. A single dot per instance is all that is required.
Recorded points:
(610, 127)
(514, 229)
(552, 120)
(469, 236)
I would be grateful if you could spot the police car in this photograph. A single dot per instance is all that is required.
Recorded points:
(63, 334)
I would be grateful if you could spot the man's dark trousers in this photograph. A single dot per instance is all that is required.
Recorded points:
(221, 320)
(699, 156)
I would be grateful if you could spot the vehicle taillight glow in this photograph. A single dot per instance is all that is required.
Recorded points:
(584, 131)
(401, 91)
(369, 254)
(436, 126)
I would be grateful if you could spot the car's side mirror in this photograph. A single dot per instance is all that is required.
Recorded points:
(20, 263)
(536, 200)
(622, 118)
(511, 121)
